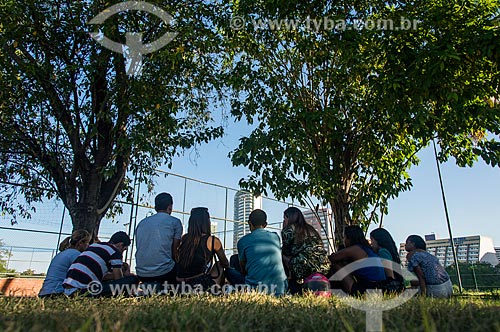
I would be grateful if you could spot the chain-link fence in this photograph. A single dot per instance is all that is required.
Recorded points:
(30, 244)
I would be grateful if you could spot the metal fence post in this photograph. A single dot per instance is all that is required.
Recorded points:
(225, 220)
(60, 228)
(8, 258)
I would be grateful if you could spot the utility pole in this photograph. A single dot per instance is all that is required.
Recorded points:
(454, 250)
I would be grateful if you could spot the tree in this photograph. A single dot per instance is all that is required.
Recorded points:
(73, 121)
(342, 111)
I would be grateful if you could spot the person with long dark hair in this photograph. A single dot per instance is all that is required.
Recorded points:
(303, 250)
(196, 253)
(357, 248)
(433, 279)
(383, 244)
(70, 248)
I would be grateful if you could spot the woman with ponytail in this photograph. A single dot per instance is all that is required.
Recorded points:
(70, 248)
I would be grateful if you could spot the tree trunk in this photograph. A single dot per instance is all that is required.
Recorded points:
(341, 217)
(84, 216)
(89, 203)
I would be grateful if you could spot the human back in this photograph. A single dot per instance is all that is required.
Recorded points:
(70, 248)
(260, 256)
(302, 247)
(154, 239)
(157, 238)
(100, 263)
(356, 249)
(433, 280)
(384, 246)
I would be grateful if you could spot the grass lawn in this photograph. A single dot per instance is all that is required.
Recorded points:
(240, 312)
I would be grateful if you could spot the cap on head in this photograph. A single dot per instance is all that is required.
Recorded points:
(163, 201)
(258, 218)
(120, 237)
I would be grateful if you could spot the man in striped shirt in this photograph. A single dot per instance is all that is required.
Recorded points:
(100, 262)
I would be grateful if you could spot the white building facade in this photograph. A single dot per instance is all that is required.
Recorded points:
(469, 249)
(244, 203)
(322, 222)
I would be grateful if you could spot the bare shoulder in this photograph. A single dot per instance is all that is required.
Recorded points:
(215, 240)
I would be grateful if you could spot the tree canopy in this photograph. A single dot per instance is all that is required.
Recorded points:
(73, 121)
(341, 112)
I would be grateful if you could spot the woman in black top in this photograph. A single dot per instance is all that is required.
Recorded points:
(195, 260)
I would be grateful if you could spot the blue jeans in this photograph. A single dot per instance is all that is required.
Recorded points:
(234, 276)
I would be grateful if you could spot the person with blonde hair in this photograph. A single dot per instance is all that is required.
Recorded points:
(70, 248)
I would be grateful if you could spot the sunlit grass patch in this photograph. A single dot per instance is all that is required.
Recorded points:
(240, 312)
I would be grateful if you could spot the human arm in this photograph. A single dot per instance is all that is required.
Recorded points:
(116, 273)
(219, 251)
(287, 238)
(352, 253)
(414, 260)
(421, 280)
(176, 242)
(242, 257)
(243, 264)
(175, 249)
(386, 259)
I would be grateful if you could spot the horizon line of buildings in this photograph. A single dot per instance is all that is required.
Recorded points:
(469, 249)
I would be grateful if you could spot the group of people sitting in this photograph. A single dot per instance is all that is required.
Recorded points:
(197, 258)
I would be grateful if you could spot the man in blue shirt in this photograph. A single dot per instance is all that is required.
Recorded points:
(260, 256)
(157, 239)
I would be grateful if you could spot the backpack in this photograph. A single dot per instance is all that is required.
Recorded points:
(318, 284)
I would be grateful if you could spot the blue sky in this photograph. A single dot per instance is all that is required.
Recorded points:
(472, 197)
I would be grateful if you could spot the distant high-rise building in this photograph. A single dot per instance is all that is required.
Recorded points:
(497, 250)
(470, 249)
(323, 225)
(213, 227)
(244, 203)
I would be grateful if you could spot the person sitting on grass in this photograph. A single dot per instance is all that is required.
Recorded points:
(433, 279)
(383, 245)
(196, 253)
(303, 251)
(88, 273)
(70, 248)
(260, 257)
(357, 248)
